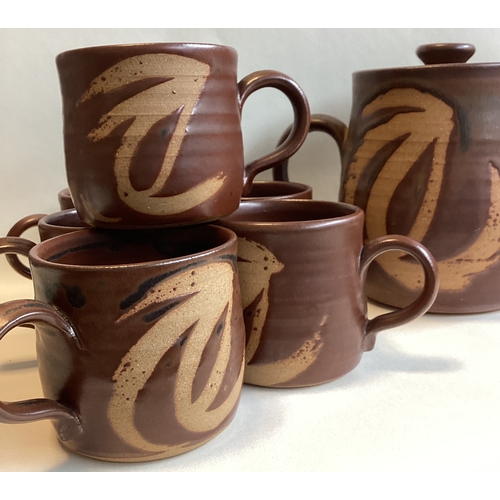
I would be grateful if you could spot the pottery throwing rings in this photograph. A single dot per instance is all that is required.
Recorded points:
(152, 133)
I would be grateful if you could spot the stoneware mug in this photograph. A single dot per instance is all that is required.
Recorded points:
(65, 221)
(152, 132)
(140, 339)
(302, 269)
(421, 157)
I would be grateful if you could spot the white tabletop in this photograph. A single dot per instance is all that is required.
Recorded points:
(426, 398)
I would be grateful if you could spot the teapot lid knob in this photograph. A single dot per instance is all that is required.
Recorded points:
(445, 53)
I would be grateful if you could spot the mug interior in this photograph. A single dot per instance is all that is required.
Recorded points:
(290, 211)
(97, 248)
(157, 46)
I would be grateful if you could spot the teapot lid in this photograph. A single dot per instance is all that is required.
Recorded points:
(437, 57)
(445, 53)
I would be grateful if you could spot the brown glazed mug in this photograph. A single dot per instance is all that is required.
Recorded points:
(302, 267)
(421, 157)
(65, 221)
(152, 132)
(140, 339)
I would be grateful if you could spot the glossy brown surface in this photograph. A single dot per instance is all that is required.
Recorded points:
(140, 339)
(152, 132)
(445, 53)
(302, 266)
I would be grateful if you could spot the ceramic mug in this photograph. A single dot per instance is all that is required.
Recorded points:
(302, 267)
(140, 339)
(65, 221)
(152, 132)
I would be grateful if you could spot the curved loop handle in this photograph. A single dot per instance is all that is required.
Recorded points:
(17, 313)
(13, 244)
(17, 230)
(336, 129)
(300, 127)
(423, 302)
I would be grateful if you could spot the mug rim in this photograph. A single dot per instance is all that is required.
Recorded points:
(297, 188)
(126, 46)
(49, 219)
(352, 213)
(89, 236)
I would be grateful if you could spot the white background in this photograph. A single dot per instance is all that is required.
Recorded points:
(426, 399)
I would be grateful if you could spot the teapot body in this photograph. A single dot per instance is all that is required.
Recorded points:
(422, 159)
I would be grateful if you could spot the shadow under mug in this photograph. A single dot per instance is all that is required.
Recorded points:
(302, 268)
(152, 132)
(259, 189)
(140, 339)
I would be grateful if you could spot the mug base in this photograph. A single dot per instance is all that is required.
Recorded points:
(171, 452)
(306, 379)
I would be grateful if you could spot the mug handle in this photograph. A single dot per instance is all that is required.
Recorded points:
(420, 305)
(299, 129)
(27, 311)
(336, 129)
(17, 230)
(13, 244)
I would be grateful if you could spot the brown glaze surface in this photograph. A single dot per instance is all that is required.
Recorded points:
(140, 339)
(301, 267)
(152, 132)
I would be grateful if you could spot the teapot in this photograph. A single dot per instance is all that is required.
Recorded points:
(421, 157)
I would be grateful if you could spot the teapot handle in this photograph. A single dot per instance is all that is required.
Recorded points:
(320, 123)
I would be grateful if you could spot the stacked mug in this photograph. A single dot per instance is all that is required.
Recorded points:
(176, 278)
